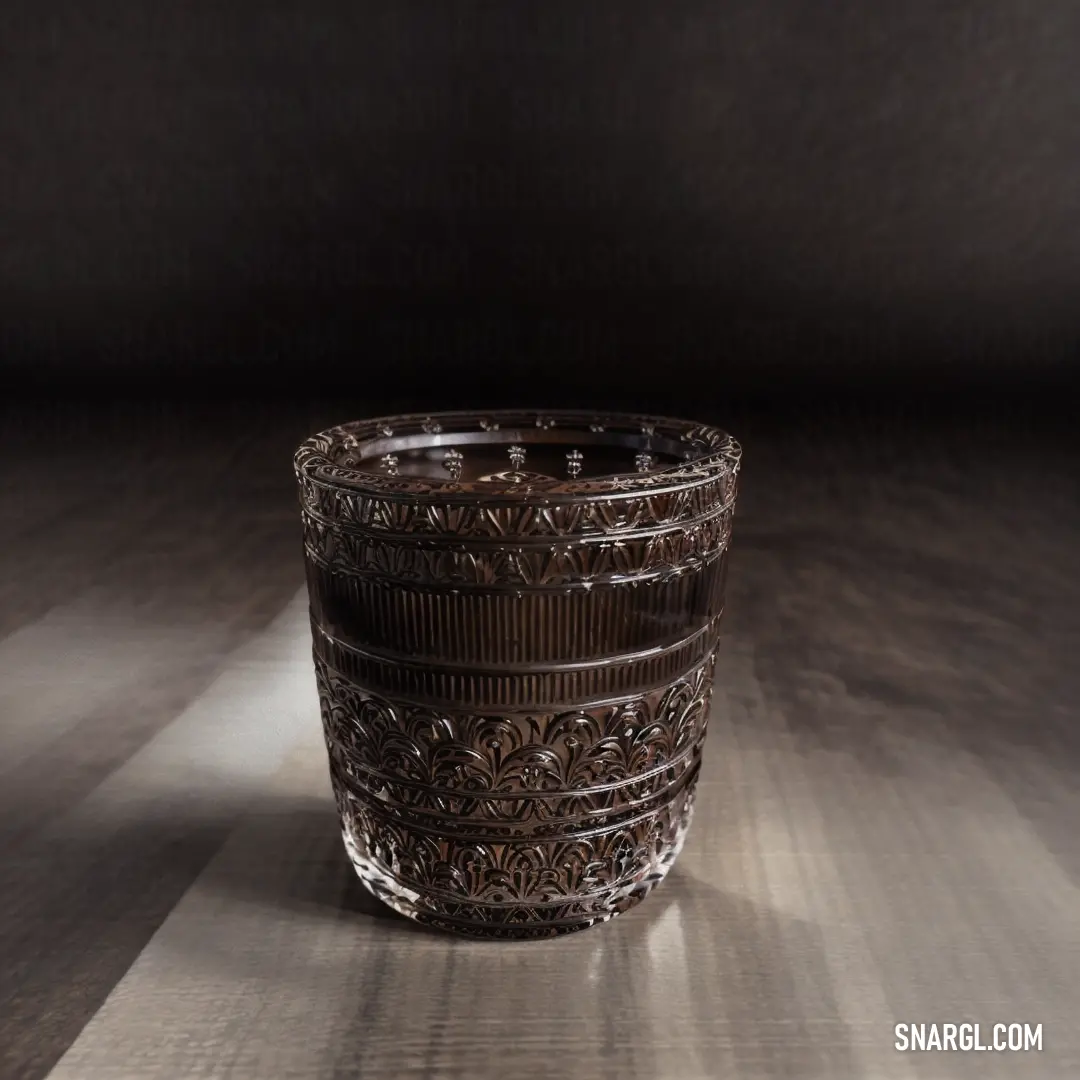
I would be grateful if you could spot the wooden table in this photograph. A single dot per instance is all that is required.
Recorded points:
(887, 829)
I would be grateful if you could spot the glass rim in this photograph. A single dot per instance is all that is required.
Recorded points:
(707, 453)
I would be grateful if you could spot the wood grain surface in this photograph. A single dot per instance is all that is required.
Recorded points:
(886, 832)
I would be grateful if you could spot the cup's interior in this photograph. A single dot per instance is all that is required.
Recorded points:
(493, 455)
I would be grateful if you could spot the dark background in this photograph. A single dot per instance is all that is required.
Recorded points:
(539, 202)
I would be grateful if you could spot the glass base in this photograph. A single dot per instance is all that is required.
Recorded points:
(524, 918)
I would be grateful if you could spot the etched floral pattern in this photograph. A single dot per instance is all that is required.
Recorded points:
(555, 754)
(567, 563)
(520, 520)
(547, 822)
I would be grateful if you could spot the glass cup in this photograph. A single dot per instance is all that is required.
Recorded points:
(515, 619)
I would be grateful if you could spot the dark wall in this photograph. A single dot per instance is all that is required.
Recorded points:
(764, 192)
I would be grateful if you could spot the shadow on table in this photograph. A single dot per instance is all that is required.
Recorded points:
(289, 854)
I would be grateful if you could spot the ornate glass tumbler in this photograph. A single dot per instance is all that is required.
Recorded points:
(515, 619)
